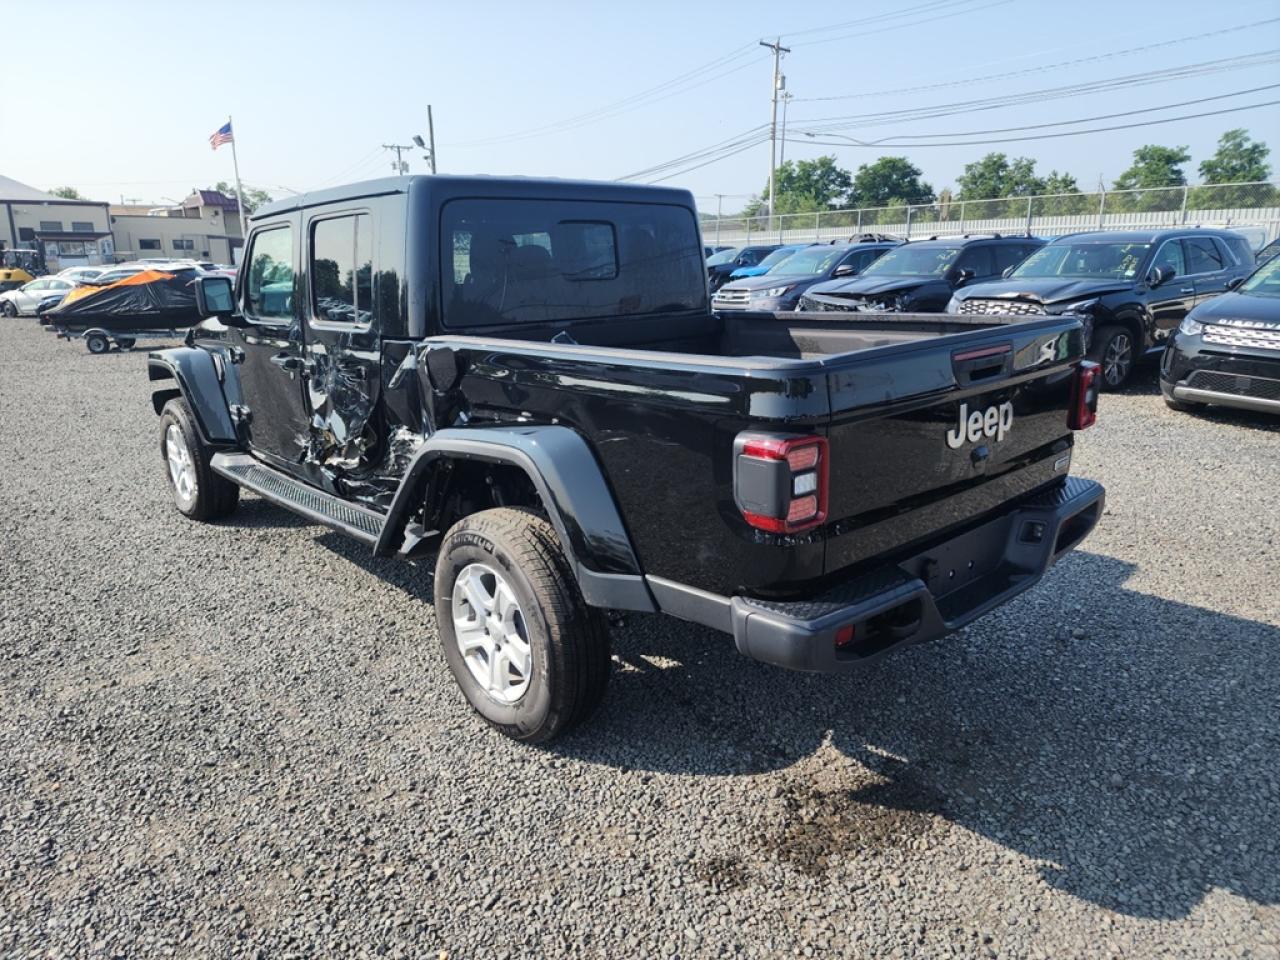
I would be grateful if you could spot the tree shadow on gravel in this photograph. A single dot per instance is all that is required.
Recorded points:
(1134, 754)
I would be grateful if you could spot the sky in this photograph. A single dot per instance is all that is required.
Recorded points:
(124, 96)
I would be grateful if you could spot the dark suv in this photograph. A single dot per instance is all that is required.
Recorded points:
(920, 277)
(1132, 288)
(783, 286)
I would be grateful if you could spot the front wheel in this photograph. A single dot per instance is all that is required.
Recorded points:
(10, 310)
(97, 343)
(1116, 352)
(198, 492)
(530, 656)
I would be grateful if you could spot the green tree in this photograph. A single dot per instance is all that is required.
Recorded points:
(67, 193)
(1239, 159)
(995, 176)
(804, 186)
(1063, 197)
(1154, 170)
(876, 184)
(253, 198)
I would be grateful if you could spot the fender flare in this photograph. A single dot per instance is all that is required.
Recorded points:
(197, 378)
(579, 504)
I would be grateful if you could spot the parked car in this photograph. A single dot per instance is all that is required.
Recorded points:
(119, 272)
(1227, 350)
(921, 276)
(769, 262)
(1132, 288)
(612, 444)
(782, 287)
(24, 300)
(1268, 253)
(722, 264)
(710, 250)
(82, 274)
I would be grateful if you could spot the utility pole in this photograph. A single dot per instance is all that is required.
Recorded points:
(778, 50)
(782, 146)
(398, 165)
(431, 137)
(719, 214)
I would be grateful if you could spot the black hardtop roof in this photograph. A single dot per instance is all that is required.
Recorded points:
(479, 185)
(1143, 236)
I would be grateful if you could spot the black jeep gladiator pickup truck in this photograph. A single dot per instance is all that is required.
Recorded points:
(523, 378)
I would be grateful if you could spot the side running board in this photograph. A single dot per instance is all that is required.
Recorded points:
(303, 499)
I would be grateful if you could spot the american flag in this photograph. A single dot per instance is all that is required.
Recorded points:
(221, 135)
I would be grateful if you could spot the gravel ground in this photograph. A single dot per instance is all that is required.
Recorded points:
(1091, 771)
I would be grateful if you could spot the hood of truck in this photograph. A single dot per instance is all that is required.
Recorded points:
(1046, 290)
(871, 286)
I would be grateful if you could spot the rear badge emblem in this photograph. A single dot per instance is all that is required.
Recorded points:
(995, 422)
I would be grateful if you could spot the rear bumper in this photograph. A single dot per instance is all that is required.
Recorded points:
(932, 593)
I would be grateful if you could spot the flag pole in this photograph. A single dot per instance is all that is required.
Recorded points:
(235, 163)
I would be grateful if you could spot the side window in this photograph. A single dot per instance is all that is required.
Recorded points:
(270, 283)
(750, 258)
(1240, 247)
(1170, 255)
(342, 269)
(977, 259)
(1203, 255)
(1007, 254)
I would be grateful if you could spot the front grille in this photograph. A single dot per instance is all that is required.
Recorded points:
(729, 297)
(1237, 385)
(1229, 336)
(1018, 308)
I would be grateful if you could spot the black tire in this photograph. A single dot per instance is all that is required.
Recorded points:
(10, 310)
(1115, 350)
(568, 641)
(97, 343)
(125, 343)
(213, 496)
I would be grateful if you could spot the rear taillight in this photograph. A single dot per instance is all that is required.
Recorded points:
(780, 482)
(1084, 395)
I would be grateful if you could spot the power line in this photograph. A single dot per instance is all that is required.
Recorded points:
(1055, 65)
(1224, 65)
(1054, 136)
(757, 132)
(899, 26)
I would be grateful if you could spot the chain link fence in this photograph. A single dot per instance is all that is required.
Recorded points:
(1252, 205)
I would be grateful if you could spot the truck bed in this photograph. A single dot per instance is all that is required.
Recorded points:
(661, 401)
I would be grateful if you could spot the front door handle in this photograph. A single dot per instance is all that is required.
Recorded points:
(1187, 290)
(293, 364)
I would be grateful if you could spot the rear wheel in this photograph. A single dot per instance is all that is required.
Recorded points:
(10, 310)
(97, 343)
(1116, 352)
(198, 492)
(530, 656)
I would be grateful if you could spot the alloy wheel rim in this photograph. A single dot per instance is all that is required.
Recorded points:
(181, 470)
(490, 631)
(1116, 362)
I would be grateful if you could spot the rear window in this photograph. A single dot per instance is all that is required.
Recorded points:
(547, 261)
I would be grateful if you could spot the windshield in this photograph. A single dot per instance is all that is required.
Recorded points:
(552, 261)
(1264, 282)
(775, 258)
(724, 256)
(908, 261)
(811, 262)
(1085, 260)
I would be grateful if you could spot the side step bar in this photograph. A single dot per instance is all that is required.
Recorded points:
(303, 499)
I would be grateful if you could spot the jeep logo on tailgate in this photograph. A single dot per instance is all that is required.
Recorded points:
(995, 421)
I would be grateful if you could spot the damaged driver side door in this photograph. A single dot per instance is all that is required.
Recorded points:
(268, 347)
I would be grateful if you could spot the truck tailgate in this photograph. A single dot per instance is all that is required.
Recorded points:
(927, 438)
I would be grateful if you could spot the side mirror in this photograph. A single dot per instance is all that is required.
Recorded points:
(740, 261)
(1158, 275)
(215, 297)
(1235, 282)
(844, 270)
(964, 276)
(1007, 271)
